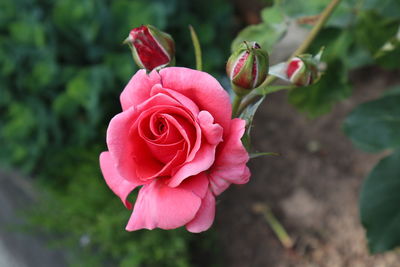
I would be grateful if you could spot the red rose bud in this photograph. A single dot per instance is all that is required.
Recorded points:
(247, 67)
(302, 70)
(151, 48)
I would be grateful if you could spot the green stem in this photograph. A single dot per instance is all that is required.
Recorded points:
(271, 89)
(197, 48)
(301, 49)
(235, 104)
(275, 225)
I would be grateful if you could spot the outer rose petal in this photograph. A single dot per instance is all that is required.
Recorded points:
(205, 216)
(202, 89)
(202, 162)
(198, 184)
(117, 184)
(230, 164)
(159, 205)
(213, 132)
(119, 144)
(138, 89)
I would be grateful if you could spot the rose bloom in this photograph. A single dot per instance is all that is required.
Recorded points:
(175, 138)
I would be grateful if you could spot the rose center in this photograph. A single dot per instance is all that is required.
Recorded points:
(161, 127)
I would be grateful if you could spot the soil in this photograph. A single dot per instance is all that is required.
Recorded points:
(312, 188)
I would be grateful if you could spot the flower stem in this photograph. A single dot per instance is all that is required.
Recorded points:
(197, 48)
(301, 49)
(275, 225)
(235, 104)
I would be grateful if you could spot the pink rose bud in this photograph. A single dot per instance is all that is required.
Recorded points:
(302, 70)
(247, 67)
(151, 48)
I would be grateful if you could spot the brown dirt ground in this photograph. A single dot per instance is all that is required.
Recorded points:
(312, 188)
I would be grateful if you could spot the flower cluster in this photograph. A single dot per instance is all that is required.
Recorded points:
(175, 138)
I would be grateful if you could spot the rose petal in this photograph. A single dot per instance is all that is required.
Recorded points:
(120, 146)
(212, 131)
(159, 205)
(165, 152)
(186, 102)
(218, 185)
(121, 187)
(230, 164)
(202, 89)
(202, 162)
(198, 184)
(205, 216)
(157, 101)
(143, 158)
(138, 89)
(205, 156)
(163, 146)
(135, 161)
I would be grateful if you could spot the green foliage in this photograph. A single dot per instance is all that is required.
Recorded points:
(62, 68)
(248, 116)
(342, 17)
(387, 8)
(375, 126)
(379, 205)
(348, 45)
(359, 33)
(267, 33)
(354, 36)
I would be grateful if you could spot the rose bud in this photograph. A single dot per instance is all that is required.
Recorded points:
(247, 67)
(302, 70)
(151, 48)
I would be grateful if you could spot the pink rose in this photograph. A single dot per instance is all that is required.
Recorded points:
(175, 138)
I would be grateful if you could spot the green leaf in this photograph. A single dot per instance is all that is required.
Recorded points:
(319, 98)
(387, 8)
(260, 154)
(248, 115)
(375, 125)
(272, 15)
(296, 9)
(342, 17)
(379, 205)
(389, 55)
(267, 33)
(373, 30)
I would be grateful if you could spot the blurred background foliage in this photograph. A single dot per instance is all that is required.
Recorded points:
(355, 36)
(62, 68)
(360, 33)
